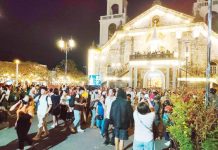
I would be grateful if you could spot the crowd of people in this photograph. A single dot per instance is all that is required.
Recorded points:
(108, 109)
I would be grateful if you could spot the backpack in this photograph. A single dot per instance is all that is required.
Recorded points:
(37, 103)
(12, 97)
(100, 109)
(72, 101)
(100, 115)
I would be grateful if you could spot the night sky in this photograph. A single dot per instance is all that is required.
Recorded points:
(29, 29)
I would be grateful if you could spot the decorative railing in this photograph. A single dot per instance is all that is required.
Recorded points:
(202, 4)
(122, 71)
(112, 16)
(152, 56)
(118, 72)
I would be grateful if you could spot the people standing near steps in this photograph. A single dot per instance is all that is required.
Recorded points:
(121, 115)
(43, 104)
(25, 112)
(107, 122)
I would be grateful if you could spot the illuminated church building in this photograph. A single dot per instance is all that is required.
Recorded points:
(160, 48)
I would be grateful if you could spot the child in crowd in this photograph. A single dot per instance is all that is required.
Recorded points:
(167, 122)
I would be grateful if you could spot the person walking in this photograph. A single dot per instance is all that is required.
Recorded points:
(44, 104)
(55, 110)
(66, 111)
(25, 112)
(100, 116)
(95, 97)
(78, 107)
(108, 102)
(121, 115)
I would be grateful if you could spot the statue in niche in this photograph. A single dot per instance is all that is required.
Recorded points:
(155, 21)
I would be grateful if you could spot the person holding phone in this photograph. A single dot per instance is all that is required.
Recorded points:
(25, 112)
(144, 117)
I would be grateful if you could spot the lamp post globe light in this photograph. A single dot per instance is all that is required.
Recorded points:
(17, 62)
(66, 47)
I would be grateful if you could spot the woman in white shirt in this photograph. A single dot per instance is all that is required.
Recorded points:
(144, 117)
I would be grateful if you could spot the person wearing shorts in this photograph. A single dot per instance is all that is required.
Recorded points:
(121, 115)
(44, 105)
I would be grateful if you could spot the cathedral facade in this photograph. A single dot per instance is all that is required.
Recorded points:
(160, 48)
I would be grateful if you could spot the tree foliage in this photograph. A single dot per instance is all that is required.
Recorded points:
(72, 70)
(27, 70)
(192, 123)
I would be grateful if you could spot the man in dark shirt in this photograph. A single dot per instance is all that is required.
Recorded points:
(121, 115)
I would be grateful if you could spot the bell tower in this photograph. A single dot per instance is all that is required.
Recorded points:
(115, 17)
(200, 8)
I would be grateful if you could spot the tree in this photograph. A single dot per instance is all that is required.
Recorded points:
(28, 71)
(72, 70)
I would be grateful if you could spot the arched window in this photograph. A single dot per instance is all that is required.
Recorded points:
(111, 29)
(213, 67)
(115, 9)
(214, 21)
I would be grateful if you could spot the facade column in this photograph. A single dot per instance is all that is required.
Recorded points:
(174, 78)
(167, 78)
(108, 83)
(135, 77)
(130, 76)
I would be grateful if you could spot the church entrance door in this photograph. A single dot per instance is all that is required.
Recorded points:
(154, 79)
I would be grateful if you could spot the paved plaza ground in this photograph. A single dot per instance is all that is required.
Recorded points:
(64, 140)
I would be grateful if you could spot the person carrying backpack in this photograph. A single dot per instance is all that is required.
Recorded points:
(44, 105)
(100, 116)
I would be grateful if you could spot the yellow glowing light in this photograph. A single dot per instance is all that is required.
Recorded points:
(72, 43)
(178, 34)
(61, 44)
(152, 68)
(117, 78)
(186, 54)
(196, 79)
(176, 54)
(17, 61)
(196, 33)
(92, 54)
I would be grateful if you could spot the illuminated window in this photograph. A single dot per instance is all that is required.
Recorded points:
(111, 29)
(213, 68)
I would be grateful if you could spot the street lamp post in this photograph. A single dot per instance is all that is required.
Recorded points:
(17, 62)
(208, 51)
(66, 47)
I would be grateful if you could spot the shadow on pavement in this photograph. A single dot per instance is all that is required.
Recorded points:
(56, 136)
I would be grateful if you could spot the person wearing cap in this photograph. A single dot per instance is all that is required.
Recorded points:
(25, 112)
(213, 98)
(167, 122)
(44, 105)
